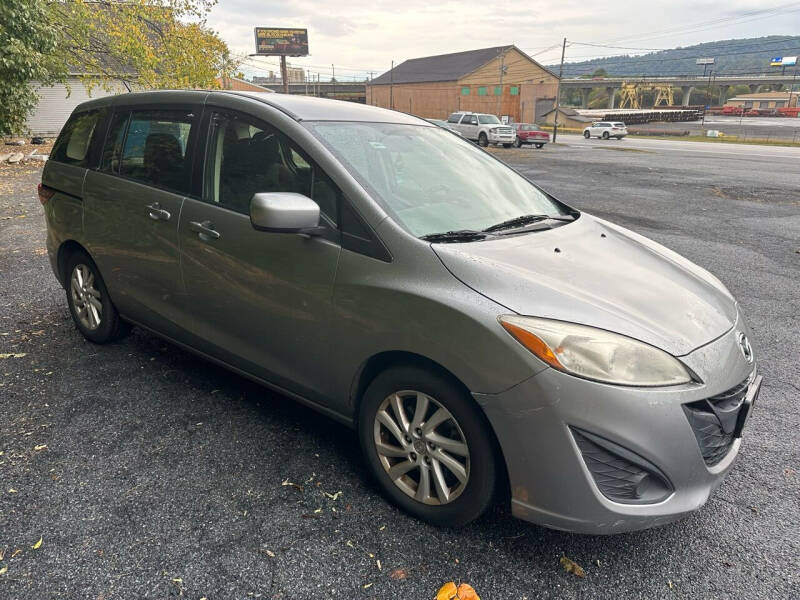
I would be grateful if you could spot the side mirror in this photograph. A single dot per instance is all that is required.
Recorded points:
(284, 212)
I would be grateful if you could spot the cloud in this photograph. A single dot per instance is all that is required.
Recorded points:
(360, 36)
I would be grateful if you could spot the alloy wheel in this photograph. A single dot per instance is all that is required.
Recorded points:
(421, 447)
(86, 298)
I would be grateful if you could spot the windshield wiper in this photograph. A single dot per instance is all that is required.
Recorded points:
(461, 235)
(523, 220)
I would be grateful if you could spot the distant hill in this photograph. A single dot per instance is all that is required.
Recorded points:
(743, 56)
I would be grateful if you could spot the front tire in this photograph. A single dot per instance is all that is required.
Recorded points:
(483, 140)
(428, 446)
(587, 135)
(507, 145)
(91, 308)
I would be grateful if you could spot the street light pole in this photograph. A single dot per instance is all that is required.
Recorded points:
(558, 90)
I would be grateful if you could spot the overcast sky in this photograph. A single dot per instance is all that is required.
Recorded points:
(359, 36)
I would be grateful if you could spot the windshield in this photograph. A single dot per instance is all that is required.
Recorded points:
(429, 180)
(488, 120)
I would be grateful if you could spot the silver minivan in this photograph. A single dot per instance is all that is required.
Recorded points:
(480, 335)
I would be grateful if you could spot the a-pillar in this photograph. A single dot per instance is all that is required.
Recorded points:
(686, 90)
(611, 91)
(585, 96)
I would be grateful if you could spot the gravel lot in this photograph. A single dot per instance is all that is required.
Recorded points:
(149, 473)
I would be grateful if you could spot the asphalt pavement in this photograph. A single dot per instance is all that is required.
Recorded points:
(147, 472)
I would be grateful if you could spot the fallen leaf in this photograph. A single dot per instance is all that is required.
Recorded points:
(15, 552)
(294, 485)
(379, 565)
(270, 553)
(333, 496)
(398, 574)
(466, 592)
(669, 583)
(11, 491)
(12, 355)
(570, 566)
(40, 447)
(3, 570)
(38, 544)
(447, 592)
(367, 586)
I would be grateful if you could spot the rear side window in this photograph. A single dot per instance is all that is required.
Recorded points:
(112, 149)
(75, 140)
(454, 118)
(155, 149)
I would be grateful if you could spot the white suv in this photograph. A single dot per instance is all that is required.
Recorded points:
(605, 130)
(482, 128)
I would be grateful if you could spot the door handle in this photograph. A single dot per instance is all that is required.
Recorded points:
(205, 230)
(157, 213)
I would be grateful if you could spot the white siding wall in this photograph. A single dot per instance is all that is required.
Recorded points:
(55, 106)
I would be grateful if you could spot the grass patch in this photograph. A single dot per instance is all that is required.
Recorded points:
(728, 139)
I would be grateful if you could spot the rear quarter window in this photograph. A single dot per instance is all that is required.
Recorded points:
(76, 138)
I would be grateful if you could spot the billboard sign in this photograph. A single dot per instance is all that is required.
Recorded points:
(274, 41)
(705, 61)
(783, 61)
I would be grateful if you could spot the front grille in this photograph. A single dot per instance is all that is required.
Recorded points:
(621, 475)
(503, 130)
(713, 421)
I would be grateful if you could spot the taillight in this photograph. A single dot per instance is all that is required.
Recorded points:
(45, 193)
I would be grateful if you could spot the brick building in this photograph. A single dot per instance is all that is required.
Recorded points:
(502, 80)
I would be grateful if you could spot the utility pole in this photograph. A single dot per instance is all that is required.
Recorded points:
(502, 72)
(333, 80)
(284, 75)
(391, 87)
(558, 90)
(791, 88)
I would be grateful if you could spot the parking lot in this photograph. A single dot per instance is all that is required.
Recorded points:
(147, 472)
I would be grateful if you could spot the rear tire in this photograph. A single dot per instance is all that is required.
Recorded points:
(605, 135)
(587, 135)
(483, 141)
(540, 146)
(448, 497)
(90, 306)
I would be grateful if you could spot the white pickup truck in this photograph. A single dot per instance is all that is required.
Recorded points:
(482, 128)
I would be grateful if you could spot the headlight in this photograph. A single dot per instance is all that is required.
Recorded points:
(595, 353)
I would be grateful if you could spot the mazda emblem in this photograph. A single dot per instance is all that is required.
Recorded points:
(745, 347)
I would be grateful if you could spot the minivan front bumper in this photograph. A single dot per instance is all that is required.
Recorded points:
(594, 458)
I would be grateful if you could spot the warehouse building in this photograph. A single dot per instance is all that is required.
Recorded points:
(502, 80)
(764, 100)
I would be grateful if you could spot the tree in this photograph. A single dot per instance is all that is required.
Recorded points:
(143, 43)
(27, 52)
(150, 43)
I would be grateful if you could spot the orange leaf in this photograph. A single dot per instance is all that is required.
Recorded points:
(570, 566)
(447, 592)
(465, 592)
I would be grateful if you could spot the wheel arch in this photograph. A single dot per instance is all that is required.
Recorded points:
(65, 250)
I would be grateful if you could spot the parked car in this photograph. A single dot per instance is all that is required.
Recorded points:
(474, 330)
(528, 133)
(443, 125)
(605, 130)
(482, 128)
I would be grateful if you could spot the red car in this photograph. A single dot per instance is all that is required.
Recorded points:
(528, 133)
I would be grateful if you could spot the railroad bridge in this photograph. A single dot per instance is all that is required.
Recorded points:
(686, 83)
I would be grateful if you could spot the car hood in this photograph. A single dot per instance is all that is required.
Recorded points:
(598, 274)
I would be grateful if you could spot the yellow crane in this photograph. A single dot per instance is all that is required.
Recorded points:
(630, 94)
